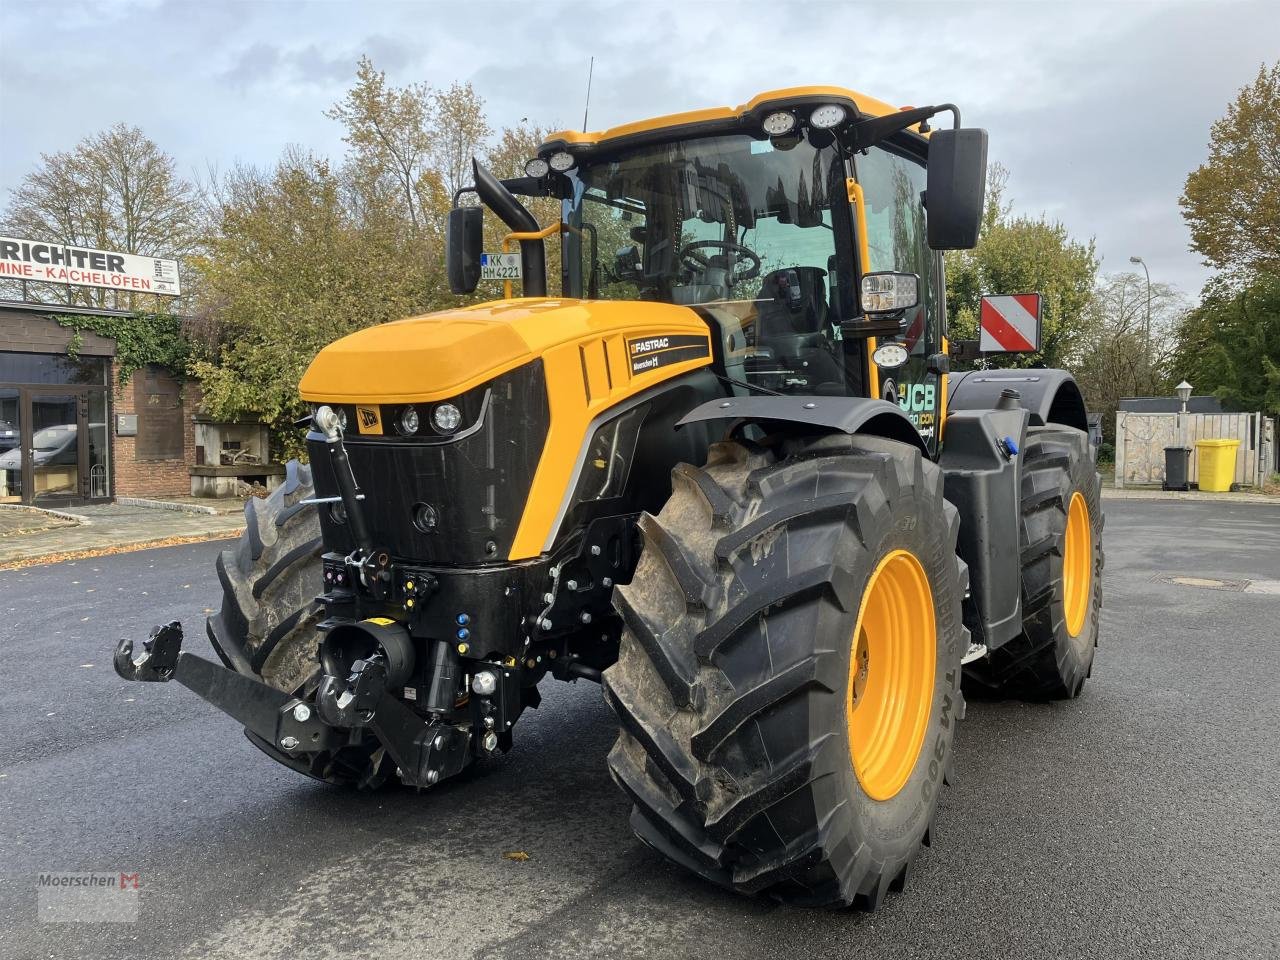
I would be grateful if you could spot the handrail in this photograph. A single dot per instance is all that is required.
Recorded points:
(507, 288)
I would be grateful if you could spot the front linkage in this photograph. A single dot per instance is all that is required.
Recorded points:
(388, 681)
(293, 730)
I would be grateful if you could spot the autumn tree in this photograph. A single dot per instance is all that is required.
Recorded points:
(1232, 201)
(114, 190)
(1229, 345)
(1022, 254)
(1122, 358)
(310, 250)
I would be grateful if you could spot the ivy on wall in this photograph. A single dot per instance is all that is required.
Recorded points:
(141, 338)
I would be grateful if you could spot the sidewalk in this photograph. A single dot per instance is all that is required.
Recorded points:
(28, 536)
(1155, 493)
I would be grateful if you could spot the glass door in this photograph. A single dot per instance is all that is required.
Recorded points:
(11, 481)
(57, 433)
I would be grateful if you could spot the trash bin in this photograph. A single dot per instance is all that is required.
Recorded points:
(1217, 464)
(1175, 468)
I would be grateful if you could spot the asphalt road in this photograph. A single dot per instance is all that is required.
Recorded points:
(1141, 820)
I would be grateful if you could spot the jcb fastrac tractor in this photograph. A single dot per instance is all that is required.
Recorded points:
(726, 473)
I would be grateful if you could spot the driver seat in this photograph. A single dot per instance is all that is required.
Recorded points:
(792, 316)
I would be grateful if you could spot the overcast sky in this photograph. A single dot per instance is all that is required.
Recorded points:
(1098, 109)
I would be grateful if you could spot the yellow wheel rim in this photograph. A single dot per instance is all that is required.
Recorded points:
(891, 675)
(1077, 565)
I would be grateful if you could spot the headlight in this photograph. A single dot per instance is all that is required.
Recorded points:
(561, 161)
(827, 116)
(779, 123)
(408, 420)
(888, 292)
(537, 168)
(446, 417)
(890, 355)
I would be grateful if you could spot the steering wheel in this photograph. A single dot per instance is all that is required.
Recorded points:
(691, 259)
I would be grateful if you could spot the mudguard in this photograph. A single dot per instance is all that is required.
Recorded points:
(1050, 396)
(843, 414)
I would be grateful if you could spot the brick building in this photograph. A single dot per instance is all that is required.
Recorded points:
(70, 432)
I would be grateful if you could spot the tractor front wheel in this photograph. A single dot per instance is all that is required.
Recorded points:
(788, 684)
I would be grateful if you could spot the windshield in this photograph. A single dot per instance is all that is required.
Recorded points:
(746, 229)
(51, 438)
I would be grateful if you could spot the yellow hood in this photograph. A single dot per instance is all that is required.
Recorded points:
(440, 355)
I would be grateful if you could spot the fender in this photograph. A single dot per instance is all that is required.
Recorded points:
(1050, 396)
(843, 414)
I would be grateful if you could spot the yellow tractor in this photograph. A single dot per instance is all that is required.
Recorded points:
(725, 472)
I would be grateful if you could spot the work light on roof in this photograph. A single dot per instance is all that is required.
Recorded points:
(537, 168)
(561, 161)
(827, 116)
(779, 123)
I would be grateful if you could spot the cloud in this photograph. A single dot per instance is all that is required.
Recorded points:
(1098, 109)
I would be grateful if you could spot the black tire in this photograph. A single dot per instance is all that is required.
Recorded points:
(266, 627)
(732, 680)
(1046, 662)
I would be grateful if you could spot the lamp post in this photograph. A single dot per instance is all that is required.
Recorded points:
(1146, 326)
(1184, 394)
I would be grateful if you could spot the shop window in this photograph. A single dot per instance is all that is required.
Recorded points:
(157, 399)
(51, 368)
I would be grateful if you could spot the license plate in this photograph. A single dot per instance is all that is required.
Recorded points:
(500, 266)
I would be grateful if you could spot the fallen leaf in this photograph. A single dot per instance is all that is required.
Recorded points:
(519, 856)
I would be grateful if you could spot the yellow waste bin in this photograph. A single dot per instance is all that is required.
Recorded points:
(1217, 464)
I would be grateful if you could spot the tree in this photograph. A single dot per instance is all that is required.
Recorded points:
(1230, 344)
(310, 251)
(389, 136)
(1232, 201)
(459, 132)
(1119, 359)
(1021, 254)
(300, 258)
(115, 190)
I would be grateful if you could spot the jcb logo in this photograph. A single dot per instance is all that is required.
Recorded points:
(368, 419)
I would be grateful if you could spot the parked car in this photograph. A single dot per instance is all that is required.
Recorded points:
(8, 435)
(54, 446)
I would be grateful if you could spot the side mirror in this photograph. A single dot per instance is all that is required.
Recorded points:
(956, 187)
(464, 239)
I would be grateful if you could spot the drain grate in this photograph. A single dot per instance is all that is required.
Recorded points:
(1204, 583)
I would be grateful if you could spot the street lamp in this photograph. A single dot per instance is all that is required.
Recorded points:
(1184, 394)
(1146, 328)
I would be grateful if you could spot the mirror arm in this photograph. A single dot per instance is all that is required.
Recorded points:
(867, 133)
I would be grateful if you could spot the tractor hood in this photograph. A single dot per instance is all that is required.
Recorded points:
(440, 355)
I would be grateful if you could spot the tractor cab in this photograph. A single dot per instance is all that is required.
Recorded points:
(795, 226)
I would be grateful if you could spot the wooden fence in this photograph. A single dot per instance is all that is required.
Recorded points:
(1142, 437)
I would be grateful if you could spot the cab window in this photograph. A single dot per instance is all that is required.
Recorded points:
(893, 187)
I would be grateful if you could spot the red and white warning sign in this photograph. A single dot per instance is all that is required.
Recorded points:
(1010, 324)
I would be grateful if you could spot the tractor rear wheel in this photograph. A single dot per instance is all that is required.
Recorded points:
(788, 684)
(1061, 544)
(266, 627)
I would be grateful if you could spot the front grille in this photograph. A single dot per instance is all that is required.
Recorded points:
(476, 483)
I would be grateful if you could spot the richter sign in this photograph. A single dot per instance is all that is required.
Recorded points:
(86, 267)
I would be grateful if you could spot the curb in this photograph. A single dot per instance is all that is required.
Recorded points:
(167, 505)
(1130, 493)
(60, 557)
(62, 514)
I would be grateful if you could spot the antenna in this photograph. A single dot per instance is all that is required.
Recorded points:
(590, 70)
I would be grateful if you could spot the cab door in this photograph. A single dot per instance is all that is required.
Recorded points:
(893, 183)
